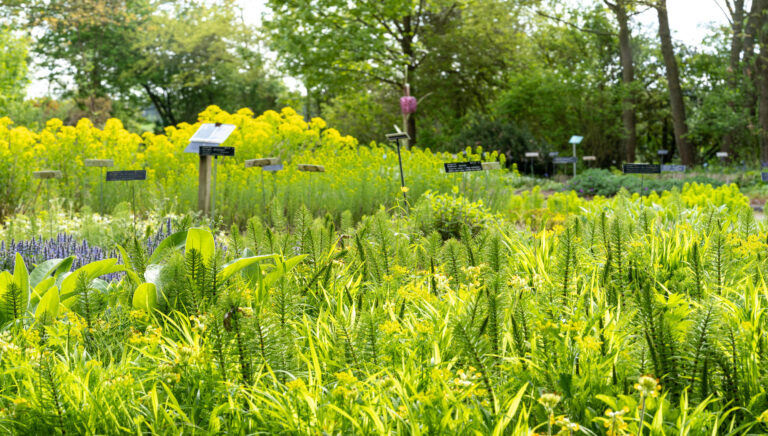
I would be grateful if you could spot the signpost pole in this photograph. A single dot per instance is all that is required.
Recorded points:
(396, 138)
(402, 178)
(210, 135)
(263, 193)
(269, 164)
(50, 217)
(101, 192)
(574, 155)
(133, 203)
(203, 193)
(46, 175)
(128, 176)
(213, 189)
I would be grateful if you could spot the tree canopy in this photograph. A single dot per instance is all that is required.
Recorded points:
(534, 71)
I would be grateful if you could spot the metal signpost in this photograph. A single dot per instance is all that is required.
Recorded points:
(100, 163)
(642, 169)
(270, 164)
(45, 175)
(488, 166)
(575, 140)
(552, 155)
(208, 135)
(128, 176)
(662, 154)
(565, 160)
(215, 151)
(673, 168)
(463, 167)
(396, 138)
(531, 155)
(309, 168)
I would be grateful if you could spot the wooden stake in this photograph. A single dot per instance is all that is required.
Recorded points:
(204, 185)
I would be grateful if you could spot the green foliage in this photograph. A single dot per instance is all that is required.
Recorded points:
(422, 334)
(593, 182)
(13, 75)
(447, 214)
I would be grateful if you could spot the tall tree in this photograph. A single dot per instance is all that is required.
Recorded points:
(628, 118)
(86, 42)
(760, 15)
(473, 51)
(196, 54)
(332, 45)
(677, 105)
(737, 14)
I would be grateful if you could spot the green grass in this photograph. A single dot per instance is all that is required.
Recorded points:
(456, 321)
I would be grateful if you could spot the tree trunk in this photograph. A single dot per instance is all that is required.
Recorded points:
(627, 77)
(737, 46)
(673, 82)
(406, 44)
(762, 78)
(749, 64)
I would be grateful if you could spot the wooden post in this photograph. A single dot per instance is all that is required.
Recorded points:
(204, 185)
(210, 135)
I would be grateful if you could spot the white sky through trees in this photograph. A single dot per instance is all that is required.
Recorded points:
(689, 19)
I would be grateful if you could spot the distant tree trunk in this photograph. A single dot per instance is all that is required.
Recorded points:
(673, 82)
(737, 46)
(762, 78)
(627, 77)
(749, 64)
(407, 46)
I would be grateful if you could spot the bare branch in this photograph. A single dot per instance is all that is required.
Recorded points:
(569, 24)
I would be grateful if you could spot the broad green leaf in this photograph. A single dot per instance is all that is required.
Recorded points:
(92, 270)
(202, 241)
(49, 267)
(281, 269)
(145, 297)
(236, 266)
(21, 278)
(5, 279)
(124, 256)
(40, 290)
(174, 241)
(48, 309)
(20, 274)
(100, 285)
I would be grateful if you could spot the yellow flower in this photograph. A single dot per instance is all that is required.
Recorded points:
(404, 188)
(648, 386)
(345, 377)
(390, 327)
(21, 403)
(549, 400)
(763, 417)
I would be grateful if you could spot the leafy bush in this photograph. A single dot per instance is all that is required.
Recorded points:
(495, 134)
(603, 182)
(448, 213)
